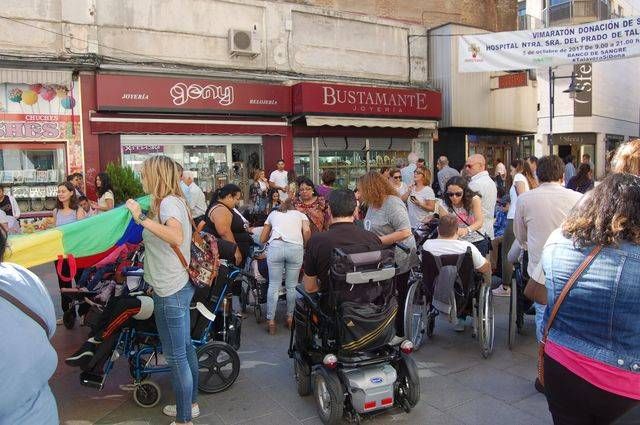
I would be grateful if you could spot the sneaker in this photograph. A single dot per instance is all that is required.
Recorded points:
(82, 356)
(458, 325)
(172, 410)
(59, 322)
(501, 292)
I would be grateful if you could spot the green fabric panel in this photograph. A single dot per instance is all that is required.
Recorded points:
(97, 234)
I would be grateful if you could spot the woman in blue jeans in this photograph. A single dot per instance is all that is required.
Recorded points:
(287, 230)
(167, 225)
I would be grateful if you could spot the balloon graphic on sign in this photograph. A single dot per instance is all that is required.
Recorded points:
(36, 88)
(61, 93)
(48, 93)
(29, 97)
(15, 95)
(68, 102)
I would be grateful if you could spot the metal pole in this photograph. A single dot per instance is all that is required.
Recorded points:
(551, 110)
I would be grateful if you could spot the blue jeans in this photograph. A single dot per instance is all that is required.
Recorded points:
(283, 257)
(174, 328)
(539, 320)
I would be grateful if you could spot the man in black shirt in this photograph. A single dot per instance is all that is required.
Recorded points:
(342, 233)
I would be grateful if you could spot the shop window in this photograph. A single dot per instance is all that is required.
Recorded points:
(32, 173)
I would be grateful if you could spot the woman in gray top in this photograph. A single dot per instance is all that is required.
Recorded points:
(388, 218)
(168, 225)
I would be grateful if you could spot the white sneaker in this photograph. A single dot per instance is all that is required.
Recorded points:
(59, 322)
(172, 410)
(458, 325)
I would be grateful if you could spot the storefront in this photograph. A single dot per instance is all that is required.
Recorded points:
(40, 136)
(575, 144)
(353, 129)
(220, 130)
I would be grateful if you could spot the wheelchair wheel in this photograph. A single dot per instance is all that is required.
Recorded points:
(147, 394)
(303, 378)
(431, 323)
(219, 366)
(329, 395)
(69, 318)
(416, 315)
(485, 320)
(513, 316)
(408, 383)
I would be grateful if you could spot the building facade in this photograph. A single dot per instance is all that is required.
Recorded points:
(214, 83)
(607, 111)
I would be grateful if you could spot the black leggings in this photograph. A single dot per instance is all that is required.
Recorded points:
(402, 286)
(574, 401)
(65, 299)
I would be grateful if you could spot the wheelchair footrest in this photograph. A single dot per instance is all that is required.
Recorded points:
(92, 380)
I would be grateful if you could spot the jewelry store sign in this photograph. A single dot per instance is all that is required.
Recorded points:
(598, 41)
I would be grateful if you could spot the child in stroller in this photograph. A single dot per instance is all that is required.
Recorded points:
(98, 284)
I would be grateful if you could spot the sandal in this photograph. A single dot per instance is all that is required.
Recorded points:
(271, 327)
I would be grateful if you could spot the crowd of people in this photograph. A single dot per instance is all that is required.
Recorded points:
(575, 237)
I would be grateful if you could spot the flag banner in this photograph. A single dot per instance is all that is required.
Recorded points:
(88, 240)
(516, 50)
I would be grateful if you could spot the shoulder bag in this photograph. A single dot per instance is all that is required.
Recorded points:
(556, 306)
(205, 258)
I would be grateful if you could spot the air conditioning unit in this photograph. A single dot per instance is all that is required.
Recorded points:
(243, 43)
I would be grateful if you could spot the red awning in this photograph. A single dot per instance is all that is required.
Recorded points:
(118, 123)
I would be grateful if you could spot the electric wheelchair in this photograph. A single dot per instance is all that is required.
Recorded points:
(343, 342)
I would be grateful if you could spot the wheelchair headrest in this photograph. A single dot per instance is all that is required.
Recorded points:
(363, 267)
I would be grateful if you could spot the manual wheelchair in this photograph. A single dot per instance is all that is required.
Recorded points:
(449, 285)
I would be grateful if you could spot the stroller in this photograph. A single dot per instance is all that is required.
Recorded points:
(215, 332)
(98, 284)
(343, 343)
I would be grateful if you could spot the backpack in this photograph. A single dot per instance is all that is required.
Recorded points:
(205, 257)
(448, 285)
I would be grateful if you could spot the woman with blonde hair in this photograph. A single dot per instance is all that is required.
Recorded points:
(627, 158)
(388, 218)
(168, 225)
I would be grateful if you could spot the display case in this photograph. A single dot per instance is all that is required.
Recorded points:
(31, 174)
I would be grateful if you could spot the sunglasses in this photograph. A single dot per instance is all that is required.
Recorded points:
(458, 194)
(468, 166)
(397, 177)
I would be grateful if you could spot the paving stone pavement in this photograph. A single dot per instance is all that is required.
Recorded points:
(458, 386)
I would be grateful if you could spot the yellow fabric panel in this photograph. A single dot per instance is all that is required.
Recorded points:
(34, 249)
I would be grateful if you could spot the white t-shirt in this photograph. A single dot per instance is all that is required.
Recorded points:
(454, 246)
(162, 267)
(402, 189)
(102, 201)
(286, 226)
(513, 194)
(197, 201)
(280, 179)
(418, 215)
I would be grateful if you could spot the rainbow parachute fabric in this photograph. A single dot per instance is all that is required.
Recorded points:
(88, 240)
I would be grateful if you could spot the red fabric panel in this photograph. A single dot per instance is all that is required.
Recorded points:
(371, 132)
(89, 140)
(184, 128)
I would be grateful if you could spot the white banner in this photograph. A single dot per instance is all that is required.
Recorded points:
(515, 50)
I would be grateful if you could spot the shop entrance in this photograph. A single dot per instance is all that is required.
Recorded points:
(214, 160)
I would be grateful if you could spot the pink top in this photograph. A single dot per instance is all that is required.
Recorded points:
(601, 375)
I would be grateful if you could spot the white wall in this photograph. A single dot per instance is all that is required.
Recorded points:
(468, 100)
(615, 99)
(293, 37)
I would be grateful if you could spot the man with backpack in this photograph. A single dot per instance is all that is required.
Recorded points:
(448, 244)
